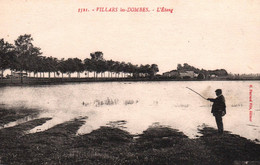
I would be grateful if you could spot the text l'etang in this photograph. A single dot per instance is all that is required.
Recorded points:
(126, 10)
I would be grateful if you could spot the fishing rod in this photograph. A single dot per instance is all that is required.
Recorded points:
(196, 93)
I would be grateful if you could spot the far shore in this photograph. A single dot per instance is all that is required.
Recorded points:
(59, 80)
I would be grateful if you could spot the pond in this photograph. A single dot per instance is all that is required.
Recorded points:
(134, 106)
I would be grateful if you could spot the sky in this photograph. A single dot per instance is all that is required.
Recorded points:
(211, 34)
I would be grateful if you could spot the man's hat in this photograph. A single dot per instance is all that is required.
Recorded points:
(218, 90)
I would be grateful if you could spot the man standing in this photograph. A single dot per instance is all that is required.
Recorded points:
(218, 109)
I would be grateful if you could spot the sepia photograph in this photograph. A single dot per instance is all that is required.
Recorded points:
(129, 82)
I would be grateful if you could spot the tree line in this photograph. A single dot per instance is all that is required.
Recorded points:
(23, 56)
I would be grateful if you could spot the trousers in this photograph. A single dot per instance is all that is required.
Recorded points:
(219, 122)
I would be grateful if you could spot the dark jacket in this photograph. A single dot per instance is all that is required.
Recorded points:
(219, 105)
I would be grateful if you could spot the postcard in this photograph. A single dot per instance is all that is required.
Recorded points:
(129, 82)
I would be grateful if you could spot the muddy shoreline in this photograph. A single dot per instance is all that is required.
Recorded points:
(108, 145)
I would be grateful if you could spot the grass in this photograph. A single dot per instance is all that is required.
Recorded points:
(14, 114)
(109, 101)
(99, 103)
(110, 145)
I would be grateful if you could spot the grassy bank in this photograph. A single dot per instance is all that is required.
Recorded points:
(11, 115)
(107, 145)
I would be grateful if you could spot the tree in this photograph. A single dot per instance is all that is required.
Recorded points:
(51, 65)
(7, 56)
(43, 65)
(102, 67)
(145, 69)
(201, 76)
(122, 68)
(110, 64)
(25, 52)
(62, 66)
(179, 67)
(153, 70)
(96, 56)
(98, 62)
(131, 68)
(78, 65)
(89, 66)
(219, 72)
(70, 66)
(116, 67)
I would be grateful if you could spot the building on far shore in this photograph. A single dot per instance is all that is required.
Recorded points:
(187, 74)
(173, 73)
(17, 74)
(180, 74)
(213, 75)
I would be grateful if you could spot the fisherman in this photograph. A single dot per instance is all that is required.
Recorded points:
(218, 109)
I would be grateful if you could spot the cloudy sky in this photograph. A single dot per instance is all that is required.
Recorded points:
(206, 34)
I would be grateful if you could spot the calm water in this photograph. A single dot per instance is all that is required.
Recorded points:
(134, 106)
